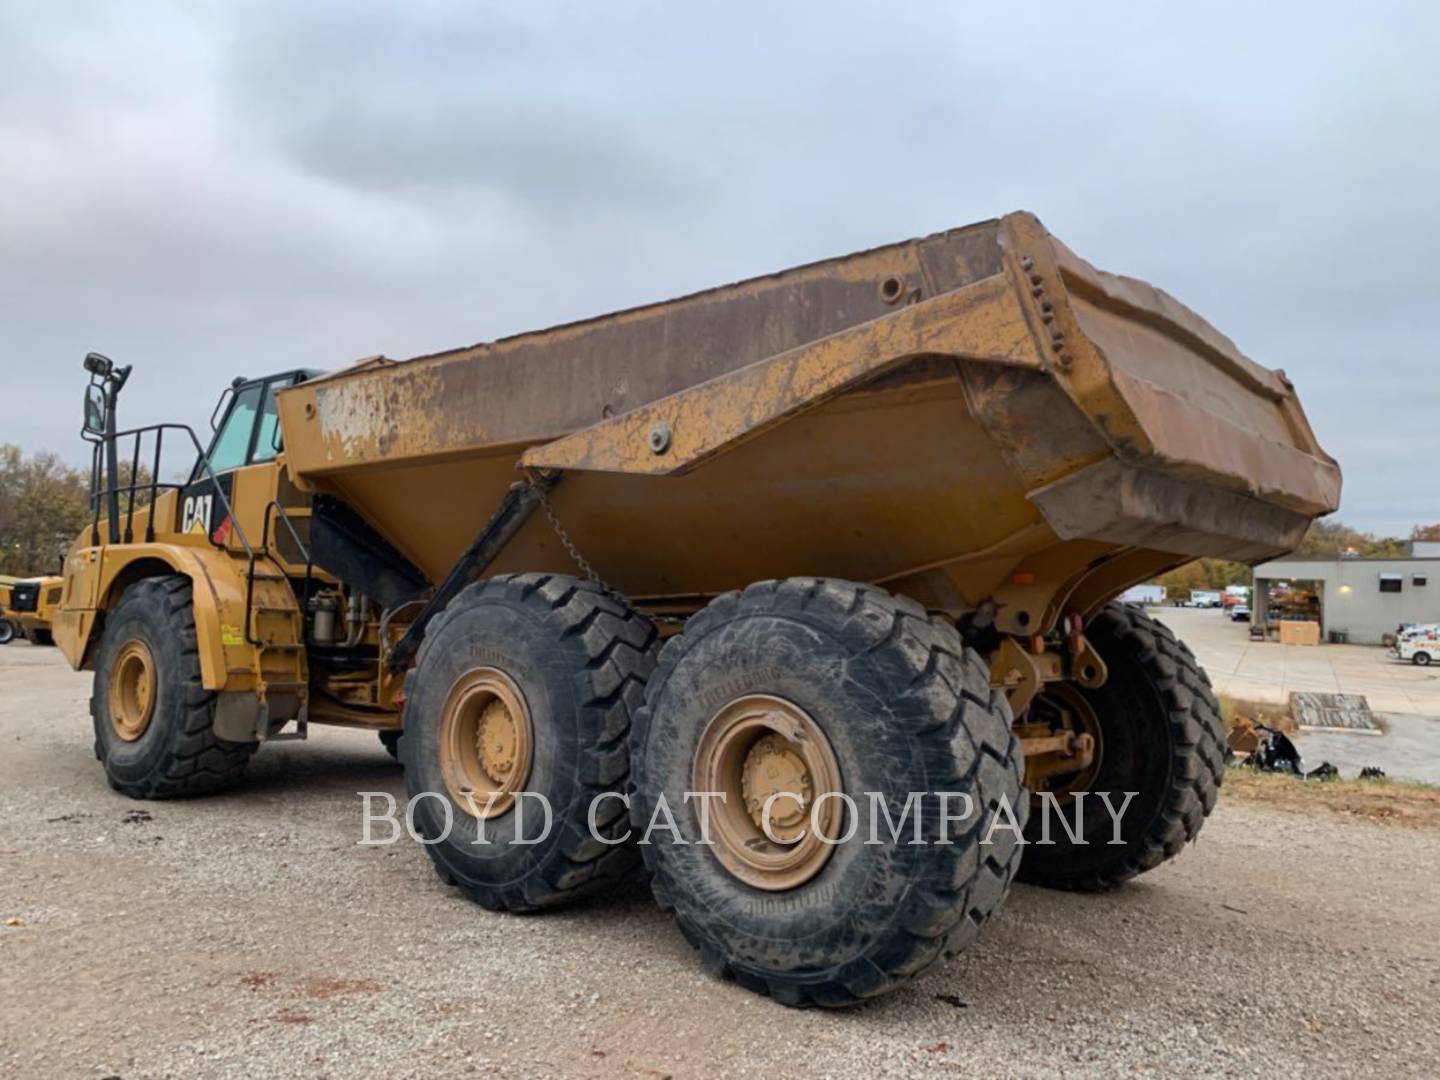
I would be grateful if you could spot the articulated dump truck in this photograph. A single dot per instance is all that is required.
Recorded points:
(800, 592)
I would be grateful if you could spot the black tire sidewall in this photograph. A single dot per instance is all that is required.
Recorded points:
(1136, 754)
(144, 614)
(851, 903)
(7, 632)
(519, 640)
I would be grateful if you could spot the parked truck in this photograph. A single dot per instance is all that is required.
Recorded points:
(850, 529)
(28, 607)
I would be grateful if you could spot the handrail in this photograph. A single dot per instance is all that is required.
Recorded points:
(155, 485)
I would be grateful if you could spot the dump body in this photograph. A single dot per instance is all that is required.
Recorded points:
(976, 415)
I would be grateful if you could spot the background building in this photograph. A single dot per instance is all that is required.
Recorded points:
(1362, 598)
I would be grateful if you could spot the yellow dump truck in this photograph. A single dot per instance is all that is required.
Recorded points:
(732, 582)
(28, 607)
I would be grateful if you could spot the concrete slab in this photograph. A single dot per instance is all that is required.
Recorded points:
(1405, 698)
(1268, 671)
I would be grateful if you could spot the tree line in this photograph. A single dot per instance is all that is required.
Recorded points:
(44, 503)
(1325, 539)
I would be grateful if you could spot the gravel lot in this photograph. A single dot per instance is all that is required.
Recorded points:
(247, 935)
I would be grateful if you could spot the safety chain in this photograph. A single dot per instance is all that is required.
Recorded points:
(591, 574)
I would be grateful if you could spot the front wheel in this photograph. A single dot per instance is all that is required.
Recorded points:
(790, 717)
(154, 721)
(1159, 760)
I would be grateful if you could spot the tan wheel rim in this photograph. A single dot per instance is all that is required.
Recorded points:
(1062, 706)
(132, 690)
(757, 750)
(485, 742)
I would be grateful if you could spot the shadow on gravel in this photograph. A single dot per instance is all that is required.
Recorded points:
(321, 768)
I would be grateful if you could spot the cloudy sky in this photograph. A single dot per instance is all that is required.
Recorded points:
(210, 190)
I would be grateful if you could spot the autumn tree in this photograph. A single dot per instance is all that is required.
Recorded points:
(44, 503)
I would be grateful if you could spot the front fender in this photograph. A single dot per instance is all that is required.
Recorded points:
(218, 590)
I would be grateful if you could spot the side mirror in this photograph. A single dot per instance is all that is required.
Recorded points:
(94, 410)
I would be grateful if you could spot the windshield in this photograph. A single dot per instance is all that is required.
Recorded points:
(232, 443)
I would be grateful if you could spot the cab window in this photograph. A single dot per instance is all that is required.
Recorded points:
(267, 439)
(232, 443)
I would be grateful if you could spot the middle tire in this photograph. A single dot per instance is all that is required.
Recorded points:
(525, 685)
(799, 685)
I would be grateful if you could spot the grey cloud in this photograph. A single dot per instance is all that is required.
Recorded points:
(205, 190)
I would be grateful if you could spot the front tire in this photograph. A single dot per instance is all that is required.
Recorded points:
(1160, 736)
(526, 683)
(825, 671)
(154, 721)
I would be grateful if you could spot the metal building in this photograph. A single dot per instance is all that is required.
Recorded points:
(1364, 599)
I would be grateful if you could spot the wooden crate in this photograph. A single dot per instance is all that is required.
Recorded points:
(1299, 633)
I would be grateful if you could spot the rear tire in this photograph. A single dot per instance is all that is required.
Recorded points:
(158, 742)
(1161, 736)
(574, 660)
(7, 631)
(391, 741)
(1421, 659)
(903, 706)
(42, 637)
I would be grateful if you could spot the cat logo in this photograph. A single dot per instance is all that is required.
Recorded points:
(195, 517)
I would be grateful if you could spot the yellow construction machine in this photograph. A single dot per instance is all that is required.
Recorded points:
(737, 564)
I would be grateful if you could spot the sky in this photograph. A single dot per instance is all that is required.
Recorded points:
(211, 190)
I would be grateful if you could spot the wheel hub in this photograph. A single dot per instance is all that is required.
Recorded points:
(485, 740)
(496, 741)
(131, 694)
(776, 781)
(769, 757)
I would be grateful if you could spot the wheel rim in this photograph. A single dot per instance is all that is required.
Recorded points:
(486, 739)
(132, 690)
(1065, 708)
(760, 749)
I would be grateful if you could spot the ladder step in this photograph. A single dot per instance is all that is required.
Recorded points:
(284, 686)
(270, 577)
(281, 646)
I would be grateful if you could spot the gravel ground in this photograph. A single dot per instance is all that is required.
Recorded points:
(247, 935)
